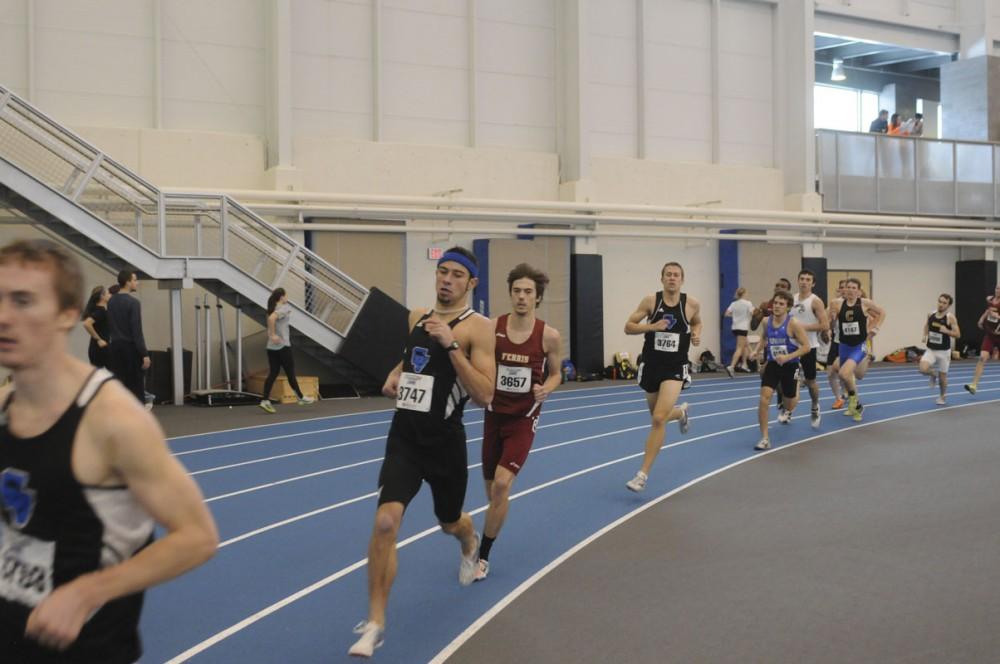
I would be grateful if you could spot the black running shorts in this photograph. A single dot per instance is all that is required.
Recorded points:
(650, 376)
(442, 463)
(784, 375)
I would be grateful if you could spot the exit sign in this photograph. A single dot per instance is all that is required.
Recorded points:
(434, 253)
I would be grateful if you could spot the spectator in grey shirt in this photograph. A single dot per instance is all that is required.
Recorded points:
(279, 349)
(128, 357)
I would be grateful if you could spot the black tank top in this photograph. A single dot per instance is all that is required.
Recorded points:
(54, 529)
(670, 346)
(852, 324)
(936, 339)
(423, 358)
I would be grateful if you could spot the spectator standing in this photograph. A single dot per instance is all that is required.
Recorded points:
(95, 322)
(128, 357)
(279, 349)
(740, 310)
(880, 125)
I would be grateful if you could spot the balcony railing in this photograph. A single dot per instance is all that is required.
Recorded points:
(907, 175)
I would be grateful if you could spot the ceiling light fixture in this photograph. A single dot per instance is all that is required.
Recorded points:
(838, 70)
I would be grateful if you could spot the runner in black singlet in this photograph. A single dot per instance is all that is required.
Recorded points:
(85, 475)
(448, 359)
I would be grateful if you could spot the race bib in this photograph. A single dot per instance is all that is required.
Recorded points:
(513, 379)
(935, 337)
(25, 567)
(993, 317)
(415, 392)
(667, 342)
(851, 329)
(777, 351)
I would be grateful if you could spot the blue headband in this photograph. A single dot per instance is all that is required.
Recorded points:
(462, 260)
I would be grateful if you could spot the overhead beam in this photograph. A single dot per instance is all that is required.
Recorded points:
(857, 50)
(935, 62)
(890, 58)
(832, 42)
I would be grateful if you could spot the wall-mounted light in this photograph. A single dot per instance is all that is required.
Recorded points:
(837, 74)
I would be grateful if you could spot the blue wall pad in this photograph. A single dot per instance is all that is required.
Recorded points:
(729, 281)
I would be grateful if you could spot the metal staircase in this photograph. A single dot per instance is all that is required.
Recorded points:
(68, 188)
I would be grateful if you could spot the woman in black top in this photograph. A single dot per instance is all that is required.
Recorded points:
(95, 321)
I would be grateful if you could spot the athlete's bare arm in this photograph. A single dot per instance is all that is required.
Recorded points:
(634, 324)
(552, 345)
(120, 443)
(927, 331)
(693, 313)
(391, 386)
(982, 319)
(798, 331)
(953, 330)
(870, 308)
(822, 323)
(474, 363)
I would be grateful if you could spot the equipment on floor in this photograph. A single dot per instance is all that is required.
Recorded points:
(205, 394)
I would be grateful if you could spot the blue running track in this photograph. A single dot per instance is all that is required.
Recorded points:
(294, 503)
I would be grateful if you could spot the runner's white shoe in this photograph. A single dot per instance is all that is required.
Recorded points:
(483, 570)
(764, 444)
(814, 418)
(940, 401)
(685, 422)
(371, 638)
(467, 568)
(637, 483)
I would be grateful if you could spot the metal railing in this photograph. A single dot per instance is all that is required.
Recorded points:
(174, 225)
(876, 173)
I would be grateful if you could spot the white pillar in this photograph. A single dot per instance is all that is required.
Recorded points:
(574, 129)
(281, 173)
(795, 77)
(975, 20)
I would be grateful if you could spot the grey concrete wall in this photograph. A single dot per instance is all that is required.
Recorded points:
(964, 99)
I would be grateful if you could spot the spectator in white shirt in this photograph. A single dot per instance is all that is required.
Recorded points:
(740, 311)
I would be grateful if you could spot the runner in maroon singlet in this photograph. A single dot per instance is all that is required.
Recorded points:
(989, 323)
(525, 348)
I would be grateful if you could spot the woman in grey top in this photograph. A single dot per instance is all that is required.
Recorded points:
(279, 348)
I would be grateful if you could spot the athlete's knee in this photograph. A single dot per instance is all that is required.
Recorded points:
(387, 521)
(660, 418)
(501, 487)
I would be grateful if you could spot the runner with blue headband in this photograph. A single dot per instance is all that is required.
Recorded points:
(468, 262)
(448, 359)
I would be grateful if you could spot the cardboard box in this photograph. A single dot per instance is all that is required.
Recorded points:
(282, 392)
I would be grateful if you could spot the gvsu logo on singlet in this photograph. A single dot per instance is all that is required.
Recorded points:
(419, 357)
(17, 499)
(670, 320)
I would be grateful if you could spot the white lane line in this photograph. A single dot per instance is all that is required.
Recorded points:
(574, 441)
(349, 443)
(480, 622)
(556, 397)
(370, 412)
(277, 606)
(334, 469)
(369, 424)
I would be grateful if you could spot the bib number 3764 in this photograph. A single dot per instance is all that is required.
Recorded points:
(667, 342)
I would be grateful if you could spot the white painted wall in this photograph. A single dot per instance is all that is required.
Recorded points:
(679, 81)
(632, 271)
(905, 283)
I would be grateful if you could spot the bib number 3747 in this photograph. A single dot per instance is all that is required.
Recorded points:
(415, 392)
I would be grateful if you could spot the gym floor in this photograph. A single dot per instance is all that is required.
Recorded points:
(870, 542)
